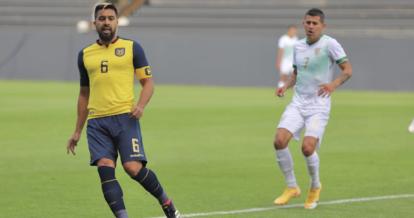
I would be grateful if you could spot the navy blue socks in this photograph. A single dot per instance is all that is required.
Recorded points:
(112, 191)
(149, 181)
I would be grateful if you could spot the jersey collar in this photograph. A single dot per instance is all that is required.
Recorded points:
(320, 37)
(113, 41)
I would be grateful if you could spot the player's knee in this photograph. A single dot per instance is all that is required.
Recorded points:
(104, 162)
(309, 146)
(132, 168)
(279, 143)
(282, 138)
(308, 149)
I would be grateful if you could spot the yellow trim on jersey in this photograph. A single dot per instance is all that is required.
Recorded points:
(143, 72)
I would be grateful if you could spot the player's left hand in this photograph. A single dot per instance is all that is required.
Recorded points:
(325, 90)
(137, 112)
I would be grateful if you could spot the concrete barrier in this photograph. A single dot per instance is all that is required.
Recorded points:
(207, 56)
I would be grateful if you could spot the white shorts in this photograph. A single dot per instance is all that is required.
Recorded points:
(286, 67)
(314, 120)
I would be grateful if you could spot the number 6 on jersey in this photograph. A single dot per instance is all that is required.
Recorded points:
(135, 145)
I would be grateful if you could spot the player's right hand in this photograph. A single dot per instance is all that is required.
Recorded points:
(72, 142)
(281, 89)
(280, 92)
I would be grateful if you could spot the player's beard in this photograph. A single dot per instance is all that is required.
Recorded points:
(106, 37)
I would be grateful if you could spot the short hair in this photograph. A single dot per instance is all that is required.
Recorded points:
(102, 6)
(316, 12)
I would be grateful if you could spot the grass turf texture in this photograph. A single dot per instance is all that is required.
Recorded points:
(212, 150)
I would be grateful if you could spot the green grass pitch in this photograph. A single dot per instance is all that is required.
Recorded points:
(212, 150)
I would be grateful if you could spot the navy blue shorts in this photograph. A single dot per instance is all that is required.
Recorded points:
(108, 136)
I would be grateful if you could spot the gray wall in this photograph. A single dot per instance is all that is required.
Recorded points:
(208, 56)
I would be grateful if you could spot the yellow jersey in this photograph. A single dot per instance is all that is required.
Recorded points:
(109, 73)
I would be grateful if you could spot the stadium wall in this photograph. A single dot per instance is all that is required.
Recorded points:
(208, 56)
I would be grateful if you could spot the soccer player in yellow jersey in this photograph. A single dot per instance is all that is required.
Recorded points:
(106, 100)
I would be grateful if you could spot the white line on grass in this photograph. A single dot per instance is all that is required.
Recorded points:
(260, 209)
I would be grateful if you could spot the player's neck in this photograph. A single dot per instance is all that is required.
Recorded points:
(311, 41)
(107, 43)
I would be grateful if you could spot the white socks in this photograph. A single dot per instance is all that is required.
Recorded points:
(285, 161)
(313, 169)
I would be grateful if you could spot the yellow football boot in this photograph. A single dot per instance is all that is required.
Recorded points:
(288, 194)
(313, 198)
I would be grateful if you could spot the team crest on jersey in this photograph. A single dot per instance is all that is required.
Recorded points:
(120, 52)
(317, 51)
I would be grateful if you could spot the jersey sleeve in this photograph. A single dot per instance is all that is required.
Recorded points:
(84, 78)
(142, 69)
(294, 57)
(282, 42)
(336, 52)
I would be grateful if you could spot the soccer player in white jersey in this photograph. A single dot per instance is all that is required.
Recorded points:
(284, 58)
(314, 59)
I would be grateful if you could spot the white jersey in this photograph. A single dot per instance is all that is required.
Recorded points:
(287, 43)
(315, 64)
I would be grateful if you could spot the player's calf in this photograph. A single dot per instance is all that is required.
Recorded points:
(112, 191)
(149, 181)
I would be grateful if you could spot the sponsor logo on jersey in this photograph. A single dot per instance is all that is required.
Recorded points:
(136, 155)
